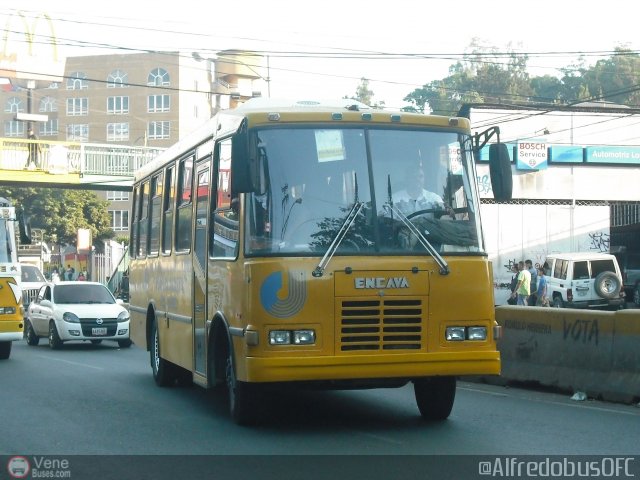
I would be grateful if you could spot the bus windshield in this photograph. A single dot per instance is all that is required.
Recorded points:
(415, 186)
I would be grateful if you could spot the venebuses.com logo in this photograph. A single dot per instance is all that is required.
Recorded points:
(18, 467)
(38, 467)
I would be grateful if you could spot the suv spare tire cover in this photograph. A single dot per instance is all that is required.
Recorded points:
(607, 285)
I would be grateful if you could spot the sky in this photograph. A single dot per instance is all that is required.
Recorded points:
(323, 49)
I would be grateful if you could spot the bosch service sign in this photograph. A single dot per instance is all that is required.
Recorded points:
(532, 155)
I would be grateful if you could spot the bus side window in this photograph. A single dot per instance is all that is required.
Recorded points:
(227, 206)
(143, 237)
(167, 208)
(155, 214)
(133, 245)
(184, 213)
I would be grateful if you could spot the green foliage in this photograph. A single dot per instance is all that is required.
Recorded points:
(60, 212)
(488, 76)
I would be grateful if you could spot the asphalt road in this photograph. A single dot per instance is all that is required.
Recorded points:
(101, 400)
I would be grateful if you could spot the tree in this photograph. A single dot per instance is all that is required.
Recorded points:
(482, 76)
(615, 78)
(60, 213)
(364, 95)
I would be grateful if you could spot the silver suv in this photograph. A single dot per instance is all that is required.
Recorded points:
(584, 280)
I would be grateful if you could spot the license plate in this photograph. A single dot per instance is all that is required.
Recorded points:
(99, 331)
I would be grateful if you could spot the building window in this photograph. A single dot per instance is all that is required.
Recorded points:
(77, 81)
(119, 220)
(116, 196)
(158, 103)
(48, 104)
(158, 130)
(49, 128)
(158, 77)
(117, 79)
(77, 106)
(13, 105)
(14, 128)
(118, 105)
(78, 133)
(117, 132)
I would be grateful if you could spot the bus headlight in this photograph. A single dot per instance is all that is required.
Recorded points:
(459, 334)
(279, 337)
(304, 337)
(292, 337)
(454, 334)
(476, 333)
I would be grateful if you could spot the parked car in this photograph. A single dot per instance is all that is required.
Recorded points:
(630, 267)
(31, 279)
(76, 310)
(584, 280)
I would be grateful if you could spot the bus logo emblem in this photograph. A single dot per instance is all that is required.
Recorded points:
(295, 294)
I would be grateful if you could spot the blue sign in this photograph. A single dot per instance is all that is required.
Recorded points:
(484, 152)
(621, 155)
(566, 154)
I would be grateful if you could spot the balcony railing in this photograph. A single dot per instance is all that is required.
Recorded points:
(74, 158)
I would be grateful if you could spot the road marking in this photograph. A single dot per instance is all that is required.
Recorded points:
(552, 402)
(70, 362)
(379, 437)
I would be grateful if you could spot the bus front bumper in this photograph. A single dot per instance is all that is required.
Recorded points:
(401, 366)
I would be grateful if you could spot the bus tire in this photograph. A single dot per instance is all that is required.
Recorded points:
(54, 338)
(163, 371)
(126, 343)
(435, 396)
(30, 334)
(241, 404)
(5, 350)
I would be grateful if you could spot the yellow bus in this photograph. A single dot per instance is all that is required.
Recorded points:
(288, 243)
(11, 308)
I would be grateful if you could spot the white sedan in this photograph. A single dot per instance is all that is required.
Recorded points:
(79, 310)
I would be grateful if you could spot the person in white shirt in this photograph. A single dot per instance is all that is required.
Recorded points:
(415, 197)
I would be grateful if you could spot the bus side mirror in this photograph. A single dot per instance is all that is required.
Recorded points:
(24, 226)
(500, 172)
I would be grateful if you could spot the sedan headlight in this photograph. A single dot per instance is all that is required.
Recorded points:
(70, 317)
(123, 317)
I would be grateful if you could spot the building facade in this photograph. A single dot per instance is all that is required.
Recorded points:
(138, 99)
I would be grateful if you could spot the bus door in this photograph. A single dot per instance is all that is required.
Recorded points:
(200, 249)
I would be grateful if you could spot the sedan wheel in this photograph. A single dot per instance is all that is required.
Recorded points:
(54, 339)
(30, 335)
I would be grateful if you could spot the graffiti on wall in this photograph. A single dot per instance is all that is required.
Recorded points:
(599, 241)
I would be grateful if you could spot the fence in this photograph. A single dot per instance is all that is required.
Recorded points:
(71, 157)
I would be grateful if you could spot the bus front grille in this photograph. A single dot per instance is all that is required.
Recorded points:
(387, 325)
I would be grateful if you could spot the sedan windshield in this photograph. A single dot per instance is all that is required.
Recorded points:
(412, 189)
(85, 293)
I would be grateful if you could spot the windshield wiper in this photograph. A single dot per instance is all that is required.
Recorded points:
(346, 225)
(442, 263)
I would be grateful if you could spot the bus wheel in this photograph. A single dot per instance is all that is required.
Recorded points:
(163, 373)
(241, 405)
(5, 350)
(30, 334)
(435, 396)
(126, 343)
(54, 339)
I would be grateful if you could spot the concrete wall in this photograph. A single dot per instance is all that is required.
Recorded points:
(595, 352)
